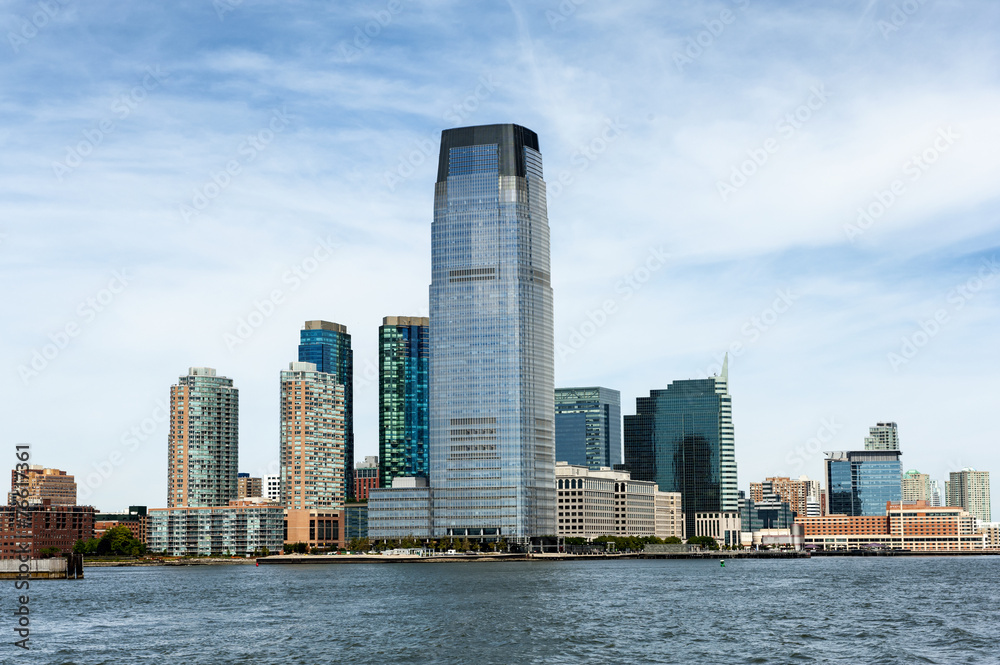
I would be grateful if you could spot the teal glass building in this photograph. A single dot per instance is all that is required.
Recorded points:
(860, 482)
(682, 438)
(492, 438)
(328, 346)
(403, 398)
(588, 426)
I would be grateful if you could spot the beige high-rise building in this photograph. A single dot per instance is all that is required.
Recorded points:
(916, 486)
(313, 439)
(41, 483)
(203, 444)
(882, 437)
(795, 492)
(248, 487)
(970, 489)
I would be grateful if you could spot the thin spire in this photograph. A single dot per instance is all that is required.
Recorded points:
(725, 368)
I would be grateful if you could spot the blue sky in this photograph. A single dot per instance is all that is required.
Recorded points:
(813, 187)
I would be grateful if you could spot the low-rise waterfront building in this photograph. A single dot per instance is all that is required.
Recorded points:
(318, 528)
(723, 526)
(669, 516)
(401, 511)
(135, 519)
(243, 528)
(917, 527)
(603, 502)
(44, 525)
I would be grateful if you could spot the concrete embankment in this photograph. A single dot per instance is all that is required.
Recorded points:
(140, 563)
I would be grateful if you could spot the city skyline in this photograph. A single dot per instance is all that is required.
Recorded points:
(146, 256)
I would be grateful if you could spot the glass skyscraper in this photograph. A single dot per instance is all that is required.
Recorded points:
(492, 438)
(682, 438)
(328, 346)
(859, 482)
(403, 426)
(588, 426)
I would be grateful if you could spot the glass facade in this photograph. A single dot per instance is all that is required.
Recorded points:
(588, 426)
(860, 482)
(403, 398)
(203, 443)
(771, 513)
(328, 346)
(682, 438)
(492, 431)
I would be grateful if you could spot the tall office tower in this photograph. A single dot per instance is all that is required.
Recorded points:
(588, 427)
(203, 444)
(859, 482)
(491, 330)
(328, 346)
(403, 393)
(313, 439)
(916, 486)
(36, 483)
(970, 489)
(682, 439)
(882, 437)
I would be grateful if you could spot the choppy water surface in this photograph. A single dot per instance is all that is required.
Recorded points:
(874, 610)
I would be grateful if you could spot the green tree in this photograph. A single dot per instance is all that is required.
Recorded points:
(705, 541)
(673, 540)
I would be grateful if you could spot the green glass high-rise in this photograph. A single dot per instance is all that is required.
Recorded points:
(403, 425)
(328, 346)
(682, 438)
